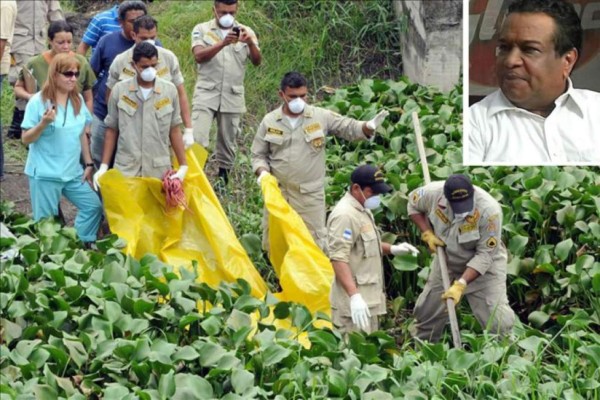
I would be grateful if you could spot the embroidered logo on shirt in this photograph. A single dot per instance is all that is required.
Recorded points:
(347, 234)
(317, 143)
(129, 101)
(491, 242)
(275, 131)
(417, 194)
(162, 103)
(472, 219)
(440, 214)
(492, 224)
(466, 228)
(312, 128)
(163, 71)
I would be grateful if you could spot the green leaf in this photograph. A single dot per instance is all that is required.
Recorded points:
(113, 272)
(247, 303)
(405, 262)
(538, 318)
(532, 343)
(185, 353)
(112, 311)
(274, 354)
(592, 352)
(324, 339)
(76, 351)
(45, 392)
(166, 385)
(11, 331)
(461, 360)
(565, 180)
(252, 243)
(210, 353)
(242, 380)
(563, 249)
(192, 387)
(517, 244)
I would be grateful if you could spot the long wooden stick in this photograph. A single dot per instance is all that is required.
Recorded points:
(440, 250)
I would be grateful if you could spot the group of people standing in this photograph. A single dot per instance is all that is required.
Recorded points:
(125, 109)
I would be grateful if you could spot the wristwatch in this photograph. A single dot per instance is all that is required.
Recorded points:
(89, 165)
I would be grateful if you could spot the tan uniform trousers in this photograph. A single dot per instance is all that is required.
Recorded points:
(310, 207)
(229, 129)
(13, 75)
(345, 325)
(488, 303)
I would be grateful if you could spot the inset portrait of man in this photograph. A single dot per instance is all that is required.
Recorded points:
(536, 116)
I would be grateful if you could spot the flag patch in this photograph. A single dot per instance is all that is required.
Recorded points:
(347, 234)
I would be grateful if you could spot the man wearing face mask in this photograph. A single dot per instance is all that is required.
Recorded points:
(290, 144)
(222, 47)
(143, 115)
(145, 30)
(467, 221)
(355, 250)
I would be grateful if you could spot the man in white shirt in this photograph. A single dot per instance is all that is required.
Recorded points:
(536, 117)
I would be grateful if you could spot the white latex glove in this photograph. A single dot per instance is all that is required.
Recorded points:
(101, 171)
(261, 175)
(188, 137)
(360, 311)
(377, 120)
(180, 174)
(403, 248)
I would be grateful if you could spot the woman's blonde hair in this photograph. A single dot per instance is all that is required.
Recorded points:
(62, 63)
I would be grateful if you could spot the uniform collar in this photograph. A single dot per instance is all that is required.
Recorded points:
(133, 86)
(500, 103)
(354, 203)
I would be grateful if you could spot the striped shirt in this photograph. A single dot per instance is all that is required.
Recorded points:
(103, 23)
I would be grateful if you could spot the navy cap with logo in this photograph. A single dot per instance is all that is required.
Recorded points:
(459, 191)
(371, 176)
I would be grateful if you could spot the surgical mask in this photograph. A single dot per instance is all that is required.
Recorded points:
(151, 41)
(372, 202)
(226, 21)
(148, 74)
(296, 106)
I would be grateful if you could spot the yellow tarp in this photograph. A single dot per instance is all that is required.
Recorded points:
(304, 271)
(136, 212)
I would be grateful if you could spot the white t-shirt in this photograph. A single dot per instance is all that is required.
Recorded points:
(294, 121)
(499, 133)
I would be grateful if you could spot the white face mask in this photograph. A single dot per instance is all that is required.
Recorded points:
(226, 21)
(372, 202)
(151, 41)
(296, 106)
(148, 74)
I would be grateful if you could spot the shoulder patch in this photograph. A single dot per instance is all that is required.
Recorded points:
(162, 72)
(211, 37)
(440, 214)
(472, 219)
(128, 72)
(130, 102)
(274, 131)
(347, 235)
(162, 103)
(491, 242)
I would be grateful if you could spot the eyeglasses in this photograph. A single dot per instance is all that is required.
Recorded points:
(70, 74)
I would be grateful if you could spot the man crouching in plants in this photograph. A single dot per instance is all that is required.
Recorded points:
(355, 250)
(467, 221)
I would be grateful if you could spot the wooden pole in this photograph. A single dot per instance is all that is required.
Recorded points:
(441, 255)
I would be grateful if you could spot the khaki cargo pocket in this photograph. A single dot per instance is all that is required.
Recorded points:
(370, 244)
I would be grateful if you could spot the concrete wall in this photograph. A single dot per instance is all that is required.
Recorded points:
(432, 46)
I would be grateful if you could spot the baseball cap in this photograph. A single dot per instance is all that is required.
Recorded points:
(371, 176)
(459, 191)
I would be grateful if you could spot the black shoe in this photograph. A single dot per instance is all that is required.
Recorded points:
(224, 175)
(14, 131)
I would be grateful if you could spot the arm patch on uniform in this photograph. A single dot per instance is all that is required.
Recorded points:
(162, 72)
(347, 234)
(162, 103)
(440, 214)
(129, 102)
(491, 242)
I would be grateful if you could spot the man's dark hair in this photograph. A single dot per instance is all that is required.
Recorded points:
(144, 49)
(292, 80)
(57, 27)
(144, 22)
(569, 33)
(227, 2)
(127, 6)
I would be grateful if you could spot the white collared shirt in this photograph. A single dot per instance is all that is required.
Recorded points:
(500, 133)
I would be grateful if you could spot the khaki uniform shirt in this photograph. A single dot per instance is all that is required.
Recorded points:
(220, 81)
(352, 237)
(296, 156)
(167, 68)
(8, 15)
(473, 242)
(32, 25)
(144, 126)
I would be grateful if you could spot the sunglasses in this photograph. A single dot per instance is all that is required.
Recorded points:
(70, 74)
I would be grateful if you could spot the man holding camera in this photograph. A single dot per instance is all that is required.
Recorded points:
(221, 48)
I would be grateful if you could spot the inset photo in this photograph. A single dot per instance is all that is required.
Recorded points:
(533, 83)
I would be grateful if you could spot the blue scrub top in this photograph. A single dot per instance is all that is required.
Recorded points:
(56, 153)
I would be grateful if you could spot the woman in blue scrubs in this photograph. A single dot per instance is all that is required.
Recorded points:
(53, 127)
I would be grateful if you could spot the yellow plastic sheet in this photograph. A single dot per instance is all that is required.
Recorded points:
(136, 212)
(304, 271)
